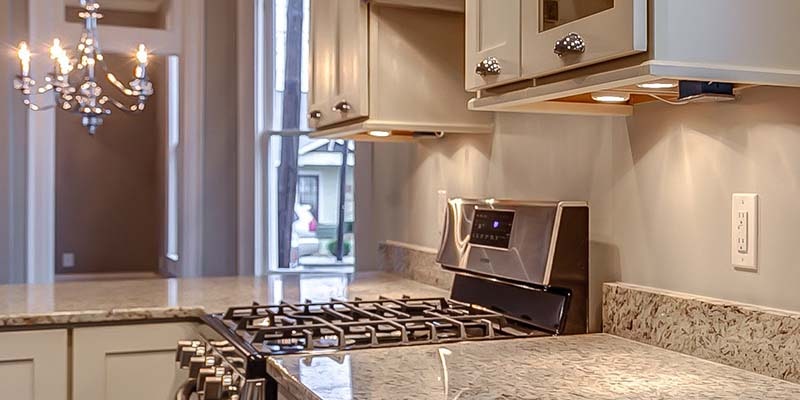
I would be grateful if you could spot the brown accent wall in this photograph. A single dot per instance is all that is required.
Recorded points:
(108, 199)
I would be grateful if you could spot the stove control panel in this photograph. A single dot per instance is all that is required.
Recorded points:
(492, 228)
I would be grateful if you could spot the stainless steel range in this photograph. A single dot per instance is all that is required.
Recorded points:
(521, 271)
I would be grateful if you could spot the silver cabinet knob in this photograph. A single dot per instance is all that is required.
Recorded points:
(489, 66)
(315, 114)
(342, 107)
(573, 43)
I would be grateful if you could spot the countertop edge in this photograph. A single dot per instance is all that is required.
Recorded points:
(19, 321)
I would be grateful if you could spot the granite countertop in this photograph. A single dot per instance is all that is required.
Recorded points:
(130, 300)
(596, 366)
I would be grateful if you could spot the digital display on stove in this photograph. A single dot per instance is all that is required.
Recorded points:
(492, 228)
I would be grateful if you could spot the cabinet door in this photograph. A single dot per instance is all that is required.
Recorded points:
(339, 62)
(493, 33)
(128, 362)
(608, 29)
(33, 365)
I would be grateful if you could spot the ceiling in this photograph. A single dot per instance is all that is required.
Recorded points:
(124, 5)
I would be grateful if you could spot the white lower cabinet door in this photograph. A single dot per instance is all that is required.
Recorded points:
(33, 365)
(128, 362)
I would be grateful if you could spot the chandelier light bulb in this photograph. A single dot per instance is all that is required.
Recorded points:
(56, 51)
(24, 54)
(141, 54)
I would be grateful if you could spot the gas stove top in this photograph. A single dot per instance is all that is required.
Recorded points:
(521, 271)
(346, 325)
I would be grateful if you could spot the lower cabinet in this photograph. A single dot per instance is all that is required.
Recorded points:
(33, 364)
(127, 362)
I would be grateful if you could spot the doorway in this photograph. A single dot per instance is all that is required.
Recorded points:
(116, 195)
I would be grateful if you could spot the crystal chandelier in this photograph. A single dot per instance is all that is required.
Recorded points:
(73, 80)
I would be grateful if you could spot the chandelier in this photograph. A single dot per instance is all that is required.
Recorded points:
(73, 80)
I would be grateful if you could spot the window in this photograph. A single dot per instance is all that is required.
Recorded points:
(309, 181)
(173, 142)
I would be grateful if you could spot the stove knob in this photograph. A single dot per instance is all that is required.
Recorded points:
(186, 353)
(181, 345)
(212, 388)
(204, 374)
(195, 363)
(184, 345)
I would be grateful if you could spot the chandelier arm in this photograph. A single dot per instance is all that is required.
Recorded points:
(132, 109)
(70, 100)
(26, 100)
(29, 87)
(123, 88)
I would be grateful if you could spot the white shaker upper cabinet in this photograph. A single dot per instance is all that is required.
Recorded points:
(558, 35)
(338, 51)
(493, 39)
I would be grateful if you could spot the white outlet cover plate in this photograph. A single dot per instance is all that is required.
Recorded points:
(744, 231)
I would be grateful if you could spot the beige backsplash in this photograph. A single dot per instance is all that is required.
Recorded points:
(413, 262)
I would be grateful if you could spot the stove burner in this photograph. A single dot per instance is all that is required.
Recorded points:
(342, 325)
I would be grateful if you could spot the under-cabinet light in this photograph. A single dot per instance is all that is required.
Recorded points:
(611, 97)
(658, 85)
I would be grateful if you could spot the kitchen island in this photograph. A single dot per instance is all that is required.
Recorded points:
(596, 366)
(68, 303)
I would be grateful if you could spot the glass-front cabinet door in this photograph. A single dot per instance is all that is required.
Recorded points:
(558, 35)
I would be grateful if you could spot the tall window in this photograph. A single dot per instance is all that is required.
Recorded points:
(173, 141)
(310, 181)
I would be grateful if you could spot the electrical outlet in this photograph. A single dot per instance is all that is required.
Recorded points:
(744, 231)
(441, 209)
(68, 260)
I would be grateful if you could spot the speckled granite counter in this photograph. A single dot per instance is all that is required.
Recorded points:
(598, 366)
(102, 301)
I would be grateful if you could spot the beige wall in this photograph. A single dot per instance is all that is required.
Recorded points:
(108, 201)
(659, 185)
(674, 175)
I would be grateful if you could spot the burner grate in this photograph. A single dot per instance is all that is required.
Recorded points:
(341, 325)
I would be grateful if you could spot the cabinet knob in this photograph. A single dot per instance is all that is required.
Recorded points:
(342, 107)
(573, 43)
(315, 114)
(489, 66)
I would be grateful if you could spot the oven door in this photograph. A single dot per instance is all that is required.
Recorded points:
(559, 35)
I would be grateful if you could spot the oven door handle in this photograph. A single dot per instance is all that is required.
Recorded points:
(186, 389)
